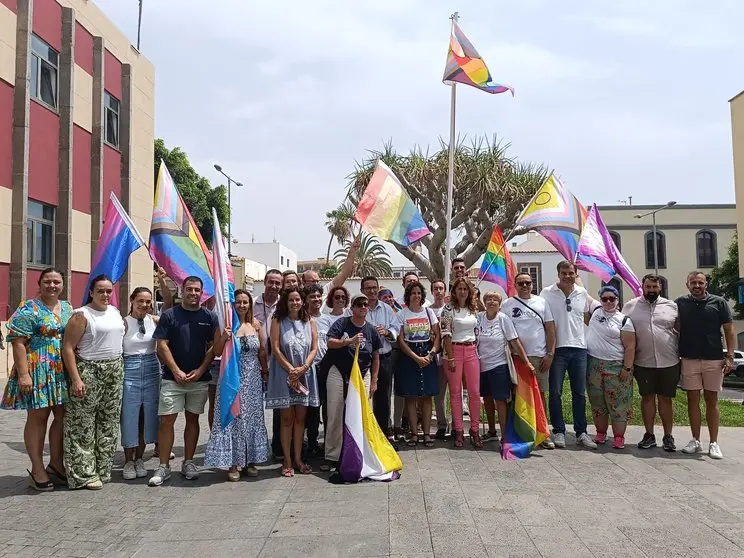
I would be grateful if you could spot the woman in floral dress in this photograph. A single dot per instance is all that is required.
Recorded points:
(37, 382)
(244, 442)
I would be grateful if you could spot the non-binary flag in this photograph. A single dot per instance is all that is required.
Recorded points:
(386, 211)
(497, 266)
(598, 254)
(229, 380)
(526, 423)
(465, 65)
(557, 215)
(366, 452)
(118, 240)
(176, 244)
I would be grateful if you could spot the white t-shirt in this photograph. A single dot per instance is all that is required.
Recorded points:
(568, 315)
(323, 323)
(460, 324)
(528, 317)
(492, 338)
(437, 311)
(416, 326)
(401, 301)
(603, 334)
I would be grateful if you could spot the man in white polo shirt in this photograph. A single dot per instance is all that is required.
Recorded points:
(568, 303)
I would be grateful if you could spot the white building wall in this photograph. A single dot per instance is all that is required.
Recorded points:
(271, 254)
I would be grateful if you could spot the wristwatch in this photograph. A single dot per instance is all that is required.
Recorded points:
(627, 369)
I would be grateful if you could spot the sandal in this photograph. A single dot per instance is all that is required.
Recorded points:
(47, 486)
(490, 434)
(305, 469)
(428, 442)
(441, 434)
(459, 438)
(412, 441)
(397, 433)
(287, 472)
(55, 476)
(475, 439)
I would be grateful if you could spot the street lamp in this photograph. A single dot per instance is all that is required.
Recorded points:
(218, 168)
(653, 221)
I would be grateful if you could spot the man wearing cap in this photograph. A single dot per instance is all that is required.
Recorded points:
(343, 338)
(656, 365)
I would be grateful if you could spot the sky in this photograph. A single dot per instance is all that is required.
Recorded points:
(622, 99)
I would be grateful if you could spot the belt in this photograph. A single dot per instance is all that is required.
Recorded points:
(465, 343)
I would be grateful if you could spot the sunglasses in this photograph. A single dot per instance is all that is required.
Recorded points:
(339, 297)
(141, 323)
(608, 299)
(568, 305)
(524, 283)
(361, 305)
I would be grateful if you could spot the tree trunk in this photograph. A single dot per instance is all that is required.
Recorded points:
(328, 252)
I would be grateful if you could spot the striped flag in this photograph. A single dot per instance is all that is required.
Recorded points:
(497, 266)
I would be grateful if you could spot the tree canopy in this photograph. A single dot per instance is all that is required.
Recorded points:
(490, 188)
(724, 279)
(371, 258)
(196, 190)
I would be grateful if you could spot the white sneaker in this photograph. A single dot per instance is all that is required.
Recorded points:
(162, 474)
(693, 446)
(141, 470)
(586, 441)
(714, 451)
(559, 440)
(129, 471)
(189, 470)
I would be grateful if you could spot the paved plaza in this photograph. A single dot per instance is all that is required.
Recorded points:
(448, 503)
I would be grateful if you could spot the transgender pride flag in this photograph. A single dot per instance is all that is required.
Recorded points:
(119, 239)
(224, 293)
(366, 453)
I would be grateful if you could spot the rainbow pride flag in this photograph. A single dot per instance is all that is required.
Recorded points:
(176, 244)
(497, 266)
(557, 215)
(119, 239)
(465, 65)
(229, 381)
(526, 425)
(366, 452)
(386, 211)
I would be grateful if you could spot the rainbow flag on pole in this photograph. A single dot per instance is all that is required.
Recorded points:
(229, 381)
(526, 425)
(386, 211)
(176, 244)
(497, 266)
(465, 65)
(366, 452)
(119, 239)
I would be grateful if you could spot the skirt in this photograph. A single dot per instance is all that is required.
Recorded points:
(280, 396)
(413, 381)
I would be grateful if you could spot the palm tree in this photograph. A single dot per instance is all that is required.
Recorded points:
(371, 258)
(339, 223)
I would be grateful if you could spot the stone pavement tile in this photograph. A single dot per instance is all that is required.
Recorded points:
(471, 471)
(735, 534)
(574, 510)
(244, 547)
(684, 538)
(456, 541)
(560, 488)
(344, 509)
(447, 507)
(536, 510)
(416, 555)
(501, 528)
(258, 526)
(340, 493)
(557, 542)
(321, 525)
(237, 495)
(409, 534)
(593, 534)
(405, 496)
(617, 511)
(616, 550)
(706, 511)
(516, 552)
(480, 494)
(209, 514)
(723, 497)
(327, 546)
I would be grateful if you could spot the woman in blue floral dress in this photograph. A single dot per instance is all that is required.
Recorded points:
(244, 442)
(37, 382)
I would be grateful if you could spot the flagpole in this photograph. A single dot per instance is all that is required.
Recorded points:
(450, 175)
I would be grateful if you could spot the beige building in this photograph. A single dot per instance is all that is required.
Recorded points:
(737, 138)
(76, 123)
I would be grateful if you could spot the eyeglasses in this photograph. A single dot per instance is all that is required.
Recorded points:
(524, 283)
(361, 305)
(141, 323)
(339, 297)
(568, 304)
(608, 299)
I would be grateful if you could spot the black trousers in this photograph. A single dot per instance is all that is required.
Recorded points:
(383, 395)
(276, 442)
(312, 419)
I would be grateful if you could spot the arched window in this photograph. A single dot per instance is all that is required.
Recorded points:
(664, 287)
(615, 282)
(707, 248)
(660, 250)
(616, 239)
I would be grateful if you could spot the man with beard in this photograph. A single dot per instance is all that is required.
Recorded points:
(656, 366)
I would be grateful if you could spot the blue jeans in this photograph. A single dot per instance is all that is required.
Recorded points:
(141, 392)
(573, 361)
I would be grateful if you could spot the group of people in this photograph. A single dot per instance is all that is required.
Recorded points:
(99, 374)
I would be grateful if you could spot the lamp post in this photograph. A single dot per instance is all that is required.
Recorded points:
(218, 168)
(653, 228)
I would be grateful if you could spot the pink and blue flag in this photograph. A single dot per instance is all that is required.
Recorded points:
(597, 253)
(224, 293)
(119, 239)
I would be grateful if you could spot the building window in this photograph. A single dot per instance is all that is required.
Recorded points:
(111, 107)
(40, 241)
(44, 65)
(660, 247)
(281, 259)
(706, 246)
(615, 282)
(616, 239)
(534, 270)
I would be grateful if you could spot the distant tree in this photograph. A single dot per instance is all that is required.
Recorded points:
(328, 271)
(724, 279)
(339, 223)
(196, 190)
(371, 258)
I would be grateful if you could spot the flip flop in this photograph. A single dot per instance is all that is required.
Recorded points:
(428, 442)
(305, 469)
(287, 472)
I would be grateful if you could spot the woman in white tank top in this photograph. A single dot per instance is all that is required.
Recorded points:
(141, 384)
(92, 349)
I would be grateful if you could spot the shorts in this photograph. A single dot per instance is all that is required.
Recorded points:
(657, 381)
(496, 383)
(609, 396)
(214, 372)
(543, 378)
(176, 398)
(702, 374)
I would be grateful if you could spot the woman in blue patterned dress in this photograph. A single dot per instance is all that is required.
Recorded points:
(244, 442)
(293, 385)
(37, 382)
